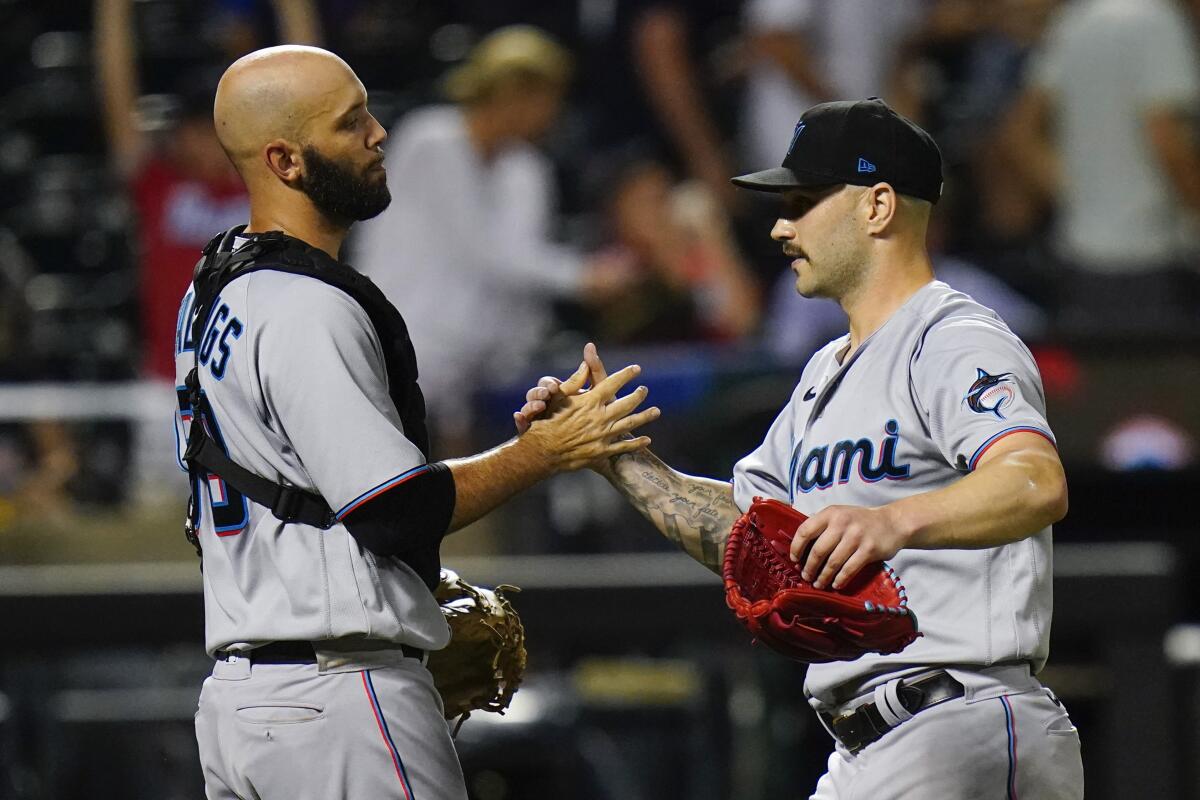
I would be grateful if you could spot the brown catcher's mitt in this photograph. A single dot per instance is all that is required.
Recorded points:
(482, 666)
(763, 586)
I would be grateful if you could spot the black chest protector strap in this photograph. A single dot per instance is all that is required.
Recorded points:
(287, 503)
(276, 251)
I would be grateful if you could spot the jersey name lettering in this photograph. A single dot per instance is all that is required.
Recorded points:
(823, 465)
(183, 326)
(220, 331)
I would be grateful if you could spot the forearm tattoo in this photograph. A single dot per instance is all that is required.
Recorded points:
(694, 513)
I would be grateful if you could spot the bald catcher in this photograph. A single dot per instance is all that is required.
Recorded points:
(316, 507)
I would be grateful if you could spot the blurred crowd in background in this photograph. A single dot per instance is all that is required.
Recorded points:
(560, 173)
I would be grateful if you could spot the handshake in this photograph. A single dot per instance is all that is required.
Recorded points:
(576, 427)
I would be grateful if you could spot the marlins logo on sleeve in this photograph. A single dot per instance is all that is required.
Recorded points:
(989, 393)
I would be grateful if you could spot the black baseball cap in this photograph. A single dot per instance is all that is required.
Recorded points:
(862, 142)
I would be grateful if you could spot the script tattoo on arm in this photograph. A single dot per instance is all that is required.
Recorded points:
(694, 513)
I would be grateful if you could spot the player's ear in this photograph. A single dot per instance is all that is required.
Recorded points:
(284, 160)
(882, 205)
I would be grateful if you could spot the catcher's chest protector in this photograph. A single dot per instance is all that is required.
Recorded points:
(277, 251)
(220, 265)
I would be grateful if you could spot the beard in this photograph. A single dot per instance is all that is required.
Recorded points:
(339, 193)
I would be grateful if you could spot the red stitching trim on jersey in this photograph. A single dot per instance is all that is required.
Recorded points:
(983, 448)
(388, 485)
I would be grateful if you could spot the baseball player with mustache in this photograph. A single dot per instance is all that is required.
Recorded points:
(919, 438)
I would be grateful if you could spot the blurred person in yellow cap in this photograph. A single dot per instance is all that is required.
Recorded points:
(518, 72)
(472, 218)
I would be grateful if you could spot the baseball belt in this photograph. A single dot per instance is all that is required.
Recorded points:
(296, 653)
(865, 724)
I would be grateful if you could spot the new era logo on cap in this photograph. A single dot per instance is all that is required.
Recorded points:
(865, 166)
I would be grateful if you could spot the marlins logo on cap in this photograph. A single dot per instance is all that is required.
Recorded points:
(796, 135)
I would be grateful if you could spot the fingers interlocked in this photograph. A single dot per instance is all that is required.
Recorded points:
(612, 431)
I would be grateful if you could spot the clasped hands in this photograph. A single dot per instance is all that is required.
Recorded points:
(582, 427)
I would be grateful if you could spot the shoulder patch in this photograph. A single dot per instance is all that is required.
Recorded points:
(989, 393)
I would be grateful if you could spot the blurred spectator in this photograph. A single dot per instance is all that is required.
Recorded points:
(465, 250)
(37, 459)
(678, 77)
(805, 52)
(37, 462)
(936, 63)
(992, 62)
(691, 281)
(1104, 129)
(1009, 212)
(184, 187)
(962, 72)
(241, 24)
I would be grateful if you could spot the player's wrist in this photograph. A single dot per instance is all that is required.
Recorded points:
(606, 467)
(535, 450)
(903, 523)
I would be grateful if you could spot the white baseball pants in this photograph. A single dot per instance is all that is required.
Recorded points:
(288, 732)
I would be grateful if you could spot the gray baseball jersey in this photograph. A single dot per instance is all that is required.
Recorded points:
(295, 375)
(913, 410)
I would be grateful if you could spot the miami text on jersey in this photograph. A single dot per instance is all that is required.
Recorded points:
(823, 465)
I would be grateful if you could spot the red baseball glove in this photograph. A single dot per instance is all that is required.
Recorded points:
(763, 586)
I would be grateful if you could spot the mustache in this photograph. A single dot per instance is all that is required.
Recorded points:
(794, 252)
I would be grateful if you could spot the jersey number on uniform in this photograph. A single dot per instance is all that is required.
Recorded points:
(230, 511)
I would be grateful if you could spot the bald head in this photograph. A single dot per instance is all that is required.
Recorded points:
(295, 124)
(280, 93)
